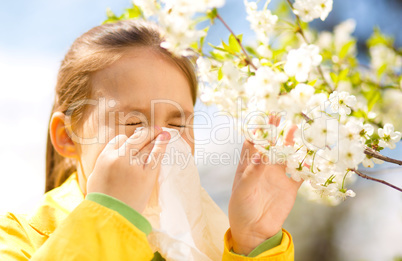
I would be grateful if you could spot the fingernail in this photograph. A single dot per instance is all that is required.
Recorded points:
(256, 158)
(157, 128)
(163, 136)
(139, 129)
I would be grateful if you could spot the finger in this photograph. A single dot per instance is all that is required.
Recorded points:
(297, 183)
(289, 135)
(247, 152)
(274, 119)
(159, 148)
(143, 156)
(254, 170)
(140, 139)
(116, 142)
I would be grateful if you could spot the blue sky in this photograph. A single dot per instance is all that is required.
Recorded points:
(45, 26)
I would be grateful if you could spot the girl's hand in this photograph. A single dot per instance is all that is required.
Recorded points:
(127, 168)
(262, 197)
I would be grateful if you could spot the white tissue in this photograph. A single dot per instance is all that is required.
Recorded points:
(187, 224)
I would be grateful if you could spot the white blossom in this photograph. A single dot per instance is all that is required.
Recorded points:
(315, 106)
(302, 93)
(382, 55)
(204, 70)
(261, 22)
(178, 35)
(351, 130)
(368, 128)
(315, 134)
(308, 10)
(300, 61)
(342, 102)
(297, 170)
(388, 136)
(369, 162)
(325, 39)
(342, 34)
(264, 51)
(265, 84)
(230, 73)
(191, 6)
(148, 7)
(351, 154)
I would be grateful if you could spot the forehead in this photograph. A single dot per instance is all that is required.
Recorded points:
(143, 77)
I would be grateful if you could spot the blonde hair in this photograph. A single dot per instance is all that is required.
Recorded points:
(91, 52)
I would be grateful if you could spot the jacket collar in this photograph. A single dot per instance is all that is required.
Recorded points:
(56, 205)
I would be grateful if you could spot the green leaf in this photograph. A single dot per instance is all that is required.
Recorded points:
(201, 19)
(217, 56)
(355, 78)
(378, 38)
(220, 74)
(372, 98)
(132, 13)
(343, 74)
(234, 44)
(359, 114)
(227, 47)
(212, 14)
(194, 45)
(251, 50)
(346, 48)
(312, 83)
(381, 70)
(218, 48)
(334, 77)
(111, 17)
(110, 14)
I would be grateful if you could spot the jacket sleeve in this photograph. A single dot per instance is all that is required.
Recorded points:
(90, 232)
(95, 232)
(14, 239)
(282, 252)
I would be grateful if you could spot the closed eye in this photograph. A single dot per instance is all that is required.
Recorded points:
(177, 126)
(133, 123)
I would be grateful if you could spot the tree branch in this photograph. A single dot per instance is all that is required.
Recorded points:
(374, 179)
(248, 60)
(370, 152)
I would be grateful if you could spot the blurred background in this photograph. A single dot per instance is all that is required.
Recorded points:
(35, 35)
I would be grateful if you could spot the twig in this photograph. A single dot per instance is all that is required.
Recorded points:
(301, 32)
(248, 60)
(374, 179)
(370, 152)
(306, 118)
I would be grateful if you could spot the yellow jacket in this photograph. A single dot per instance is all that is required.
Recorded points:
(66, 226)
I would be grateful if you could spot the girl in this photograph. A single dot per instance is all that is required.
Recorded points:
(95, 196)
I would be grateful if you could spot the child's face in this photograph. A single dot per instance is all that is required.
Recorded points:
(141, 89)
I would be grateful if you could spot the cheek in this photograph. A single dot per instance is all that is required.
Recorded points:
(188, 136)
(94, 138)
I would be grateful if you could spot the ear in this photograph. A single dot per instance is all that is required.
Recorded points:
(61, 141)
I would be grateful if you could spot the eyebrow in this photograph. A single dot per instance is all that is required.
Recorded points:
(178, 114)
